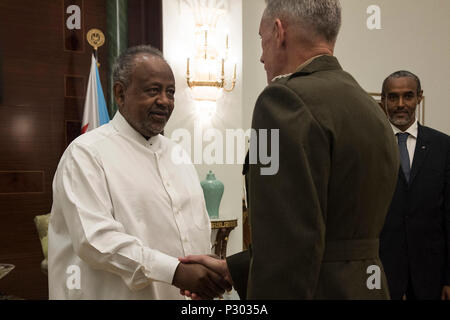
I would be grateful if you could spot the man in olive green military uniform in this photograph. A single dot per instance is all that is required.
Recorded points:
(316, 222)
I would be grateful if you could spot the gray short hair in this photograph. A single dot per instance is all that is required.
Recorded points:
(401, 74)
(322, 16)
(124, 64)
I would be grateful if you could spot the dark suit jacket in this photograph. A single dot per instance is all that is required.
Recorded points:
(316, 223)
(415, 239)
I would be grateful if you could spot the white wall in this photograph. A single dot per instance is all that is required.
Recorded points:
(254, 74)
(414, 36)
(178, 34)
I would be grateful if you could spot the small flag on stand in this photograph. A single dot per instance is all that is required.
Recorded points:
(95, 112)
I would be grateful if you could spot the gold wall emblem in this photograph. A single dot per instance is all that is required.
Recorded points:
(96, 38)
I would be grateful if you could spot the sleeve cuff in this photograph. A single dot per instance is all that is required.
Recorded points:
(161, 267)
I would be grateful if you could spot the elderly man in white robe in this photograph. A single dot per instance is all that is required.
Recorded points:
(123, 211)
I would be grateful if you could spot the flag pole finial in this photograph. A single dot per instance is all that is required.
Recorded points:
(96, 39)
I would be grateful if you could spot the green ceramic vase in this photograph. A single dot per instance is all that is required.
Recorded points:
(213, 191)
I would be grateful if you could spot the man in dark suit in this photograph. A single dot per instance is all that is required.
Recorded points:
(415, 241)
(316, 222)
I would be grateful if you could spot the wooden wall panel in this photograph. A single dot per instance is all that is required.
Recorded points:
(73, 130)
(145, 23)
(13, 182)
(43, 89)
(44, 72)
(75, 86)
(74, 37)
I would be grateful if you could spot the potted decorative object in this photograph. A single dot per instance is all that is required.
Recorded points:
(213, 191)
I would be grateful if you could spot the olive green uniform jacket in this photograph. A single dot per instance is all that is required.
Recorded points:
(315, 224)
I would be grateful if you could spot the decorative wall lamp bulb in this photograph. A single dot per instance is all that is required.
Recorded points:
(212, 83)
(207, 79)
(205, 71)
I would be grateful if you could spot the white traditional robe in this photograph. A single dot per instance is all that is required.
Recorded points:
(123, 212)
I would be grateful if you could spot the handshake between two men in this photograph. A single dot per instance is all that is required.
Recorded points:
(202, 277)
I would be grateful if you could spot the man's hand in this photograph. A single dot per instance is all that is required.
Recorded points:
(206, 283)
(445, 293)
(215, 264)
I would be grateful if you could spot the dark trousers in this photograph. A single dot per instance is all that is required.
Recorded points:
(409, 294)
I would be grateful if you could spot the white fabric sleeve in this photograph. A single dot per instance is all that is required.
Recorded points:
(97, 238)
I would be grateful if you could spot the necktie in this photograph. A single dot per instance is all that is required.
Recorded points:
(404, 155)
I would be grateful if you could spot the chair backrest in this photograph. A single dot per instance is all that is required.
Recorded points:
(41, 223)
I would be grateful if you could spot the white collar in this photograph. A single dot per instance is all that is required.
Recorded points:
(124, 128)
(413, 130)
(281, 77)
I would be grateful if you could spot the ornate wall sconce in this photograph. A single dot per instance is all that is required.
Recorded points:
(205, 73)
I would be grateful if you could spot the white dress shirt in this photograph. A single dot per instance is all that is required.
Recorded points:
(123, 213)
(412, 139)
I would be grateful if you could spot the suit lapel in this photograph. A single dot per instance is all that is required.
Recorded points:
(422, 147)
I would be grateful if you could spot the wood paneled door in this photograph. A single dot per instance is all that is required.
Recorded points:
(44, 68)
